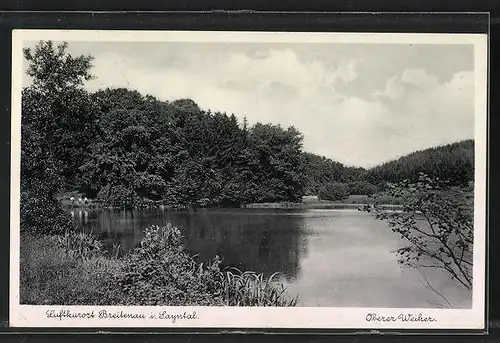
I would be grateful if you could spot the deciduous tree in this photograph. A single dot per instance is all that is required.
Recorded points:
(436, 222)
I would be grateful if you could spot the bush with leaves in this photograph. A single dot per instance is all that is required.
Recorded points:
(160, 272)
(40, 213)
(334, 191)
(362, 188)
(436, 221)
(80, 244)
(75, 269)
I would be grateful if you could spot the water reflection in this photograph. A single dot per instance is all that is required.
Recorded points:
(248, 240)
(330, 257)
(262, 241)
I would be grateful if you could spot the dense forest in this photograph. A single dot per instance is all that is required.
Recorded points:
(126, 149)
(453, 162)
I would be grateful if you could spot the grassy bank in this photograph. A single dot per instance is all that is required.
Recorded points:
(75, 269)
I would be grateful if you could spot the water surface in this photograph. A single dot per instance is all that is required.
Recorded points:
(328, 257)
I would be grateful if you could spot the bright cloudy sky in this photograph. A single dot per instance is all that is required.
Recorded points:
(360, 104)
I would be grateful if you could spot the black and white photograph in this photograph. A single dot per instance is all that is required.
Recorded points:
(244, 179)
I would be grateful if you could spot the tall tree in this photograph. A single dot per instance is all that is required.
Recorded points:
(280, 169)
(55, 131)
(133, 153)
(57, 112)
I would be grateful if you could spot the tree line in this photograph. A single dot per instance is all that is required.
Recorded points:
(127, 149)
(453, 162)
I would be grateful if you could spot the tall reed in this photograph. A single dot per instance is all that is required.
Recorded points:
(247, 288)
(80, 244)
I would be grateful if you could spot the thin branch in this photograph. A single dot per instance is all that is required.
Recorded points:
(453, 257)
(434, 290)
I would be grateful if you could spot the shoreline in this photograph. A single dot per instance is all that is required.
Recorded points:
(314, 206)
(327, 205)
(353, 202)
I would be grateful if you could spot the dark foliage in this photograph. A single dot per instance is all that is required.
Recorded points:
(159, 272)
(56, 122)
(41, 213)
(129, 150)
(320, 170)
(454, 162)
(74, 269)
(362, 188)
(178, 154)
(334, 191)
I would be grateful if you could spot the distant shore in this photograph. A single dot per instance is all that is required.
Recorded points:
(314, 206)
(353, 202)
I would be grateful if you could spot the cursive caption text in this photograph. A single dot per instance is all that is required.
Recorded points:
(402, 317)
(105, 314)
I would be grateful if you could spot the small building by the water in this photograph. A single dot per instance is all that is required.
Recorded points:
(310, 198)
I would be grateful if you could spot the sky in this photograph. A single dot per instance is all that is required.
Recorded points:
(359, 104)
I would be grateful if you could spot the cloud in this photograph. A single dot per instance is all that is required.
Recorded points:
(347, 71)
(397, 86)
(427, 112)
(419, 78)
(285, 68)
(393, 89)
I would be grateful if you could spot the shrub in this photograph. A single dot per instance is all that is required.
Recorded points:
(362, 188)
(334, 191)
(160, 272)
(41, 213)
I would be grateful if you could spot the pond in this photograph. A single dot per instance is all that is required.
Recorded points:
(337, 258)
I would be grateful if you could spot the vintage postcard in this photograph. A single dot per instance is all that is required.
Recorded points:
(248, 180)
